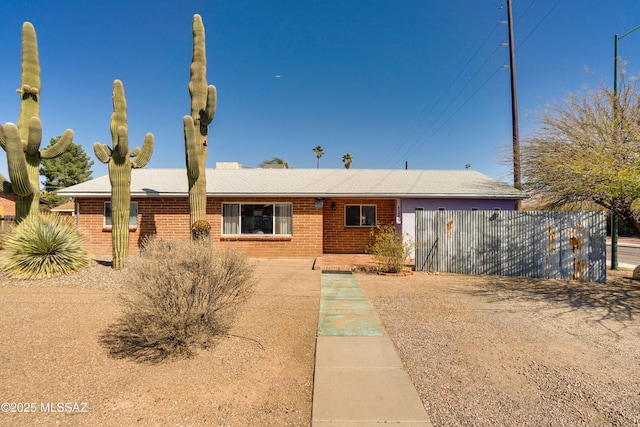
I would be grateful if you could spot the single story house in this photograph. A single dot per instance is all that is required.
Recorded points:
(285, 212)
(68, 209)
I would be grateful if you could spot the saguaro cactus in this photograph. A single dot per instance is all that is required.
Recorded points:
(120, 164)
(22, 142)
(203, 108)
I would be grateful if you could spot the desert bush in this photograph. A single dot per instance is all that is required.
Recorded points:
(181, 296)
(200, 229)
(43, 245)
(390, 249)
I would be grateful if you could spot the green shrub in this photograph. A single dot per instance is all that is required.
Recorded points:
(181, 296)
(390, 249)
(200, 229)
(43, 245)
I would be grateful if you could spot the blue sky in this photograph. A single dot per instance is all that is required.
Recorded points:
(387, 81)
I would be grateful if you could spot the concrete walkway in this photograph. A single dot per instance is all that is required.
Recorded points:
(359, 377)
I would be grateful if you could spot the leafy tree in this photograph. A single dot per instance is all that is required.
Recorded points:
(274, 161)
(347, 159)
(319, 153)
(584, 150)
(72, 167)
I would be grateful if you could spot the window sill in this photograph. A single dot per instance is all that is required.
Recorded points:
(108, 228)
(255, 238)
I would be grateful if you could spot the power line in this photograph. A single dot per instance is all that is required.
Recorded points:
(457, 109)
(538, 24)
(444, 110)
(411, 149)
(420, 122)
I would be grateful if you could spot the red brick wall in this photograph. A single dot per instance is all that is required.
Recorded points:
(341, 239)
(7, 205)
(169, 217)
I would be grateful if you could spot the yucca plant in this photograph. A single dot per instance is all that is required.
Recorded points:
(44, 245)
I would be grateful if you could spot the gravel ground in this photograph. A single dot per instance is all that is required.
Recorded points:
(491, 351)
(260, 375)
(482, 351)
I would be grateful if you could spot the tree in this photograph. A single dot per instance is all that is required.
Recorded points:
(319, 153)
(274, 162)
(347, 159)
(72, 167)
(586, 151)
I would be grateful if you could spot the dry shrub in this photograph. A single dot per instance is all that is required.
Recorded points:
(182, 295)
(390, 249)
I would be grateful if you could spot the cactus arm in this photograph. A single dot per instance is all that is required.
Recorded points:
(102, 151)
(35, 136)
(121, 152)
(5, 185)
(3, 140)
(210, 111)
(193, 170)
(16, 161)
(59, 147)
(121, 146)
(135, 152)
(144, 155)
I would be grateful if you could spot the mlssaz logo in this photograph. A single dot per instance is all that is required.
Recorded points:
(66, 407)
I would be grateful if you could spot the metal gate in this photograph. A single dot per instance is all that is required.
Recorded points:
(541, 244)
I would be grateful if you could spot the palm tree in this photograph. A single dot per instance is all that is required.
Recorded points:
(319, 153)
(347, 159)
(275, 162)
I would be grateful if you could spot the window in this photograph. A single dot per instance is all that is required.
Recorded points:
(360, 215)
(257, 218)
(133, 214)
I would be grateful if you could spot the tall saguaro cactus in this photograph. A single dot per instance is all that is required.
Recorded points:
(120, 164)
(22, 142)
(203, 108)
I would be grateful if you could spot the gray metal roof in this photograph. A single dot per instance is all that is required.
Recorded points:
(309, 182)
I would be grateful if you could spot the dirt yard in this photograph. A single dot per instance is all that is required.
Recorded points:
(488, 351)
(261, 375)
(482, 351)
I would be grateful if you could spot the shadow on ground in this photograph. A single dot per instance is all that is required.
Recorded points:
(618, 299)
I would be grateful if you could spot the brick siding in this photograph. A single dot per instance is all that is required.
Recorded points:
(169, 217)
(7, 205)
(352, 240)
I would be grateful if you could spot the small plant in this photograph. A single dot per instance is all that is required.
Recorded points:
(183, 294)
(200, 229)
(43, 246)
(390, 249)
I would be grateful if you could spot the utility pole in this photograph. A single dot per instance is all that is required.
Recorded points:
(517, 182)
(614, 217)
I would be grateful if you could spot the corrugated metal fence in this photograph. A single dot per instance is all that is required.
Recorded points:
(542, 244)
